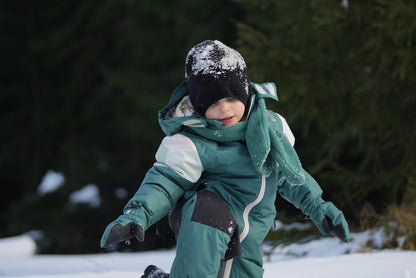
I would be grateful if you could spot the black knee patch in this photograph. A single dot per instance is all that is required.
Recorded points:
(212, 210)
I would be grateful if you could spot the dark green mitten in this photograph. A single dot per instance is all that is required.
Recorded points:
(120, 230)
(330, 221)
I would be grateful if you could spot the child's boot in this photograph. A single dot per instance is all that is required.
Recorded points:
(154, 272)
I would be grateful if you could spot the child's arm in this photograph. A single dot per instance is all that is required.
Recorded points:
(308, 198)
(176, 170)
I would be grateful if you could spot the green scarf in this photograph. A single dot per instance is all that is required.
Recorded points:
(268, 146)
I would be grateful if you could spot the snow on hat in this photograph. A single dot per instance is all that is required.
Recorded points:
(215, 71)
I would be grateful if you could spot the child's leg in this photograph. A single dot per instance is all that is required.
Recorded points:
(205, 234)
(249, 264)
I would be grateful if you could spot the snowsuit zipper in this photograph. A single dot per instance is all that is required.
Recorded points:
(246, 230)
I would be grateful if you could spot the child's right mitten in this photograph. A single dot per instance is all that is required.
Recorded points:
(120, 230)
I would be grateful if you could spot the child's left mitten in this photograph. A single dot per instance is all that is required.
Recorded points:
(331, 221)
(334, 222)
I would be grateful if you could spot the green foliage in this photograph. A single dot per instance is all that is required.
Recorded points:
(347, 80)
(81, 84)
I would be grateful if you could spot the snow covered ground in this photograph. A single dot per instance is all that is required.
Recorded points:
(324, 258)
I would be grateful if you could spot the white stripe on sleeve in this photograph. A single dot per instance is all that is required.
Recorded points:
(287, 131)
(179, 153)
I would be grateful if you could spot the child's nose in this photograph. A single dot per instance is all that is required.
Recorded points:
(224, 108)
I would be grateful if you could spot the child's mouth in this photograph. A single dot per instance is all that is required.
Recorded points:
(227, 120)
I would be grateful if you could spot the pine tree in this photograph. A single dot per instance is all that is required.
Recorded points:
(81, 85)
(346, 78)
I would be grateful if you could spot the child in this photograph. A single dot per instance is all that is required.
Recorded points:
(217, 171)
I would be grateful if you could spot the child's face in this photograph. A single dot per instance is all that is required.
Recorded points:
(227, 110)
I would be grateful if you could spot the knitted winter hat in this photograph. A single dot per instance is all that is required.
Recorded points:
(215, 71)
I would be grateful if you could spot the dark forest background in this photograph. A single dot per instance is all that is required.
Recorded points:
(81, 83)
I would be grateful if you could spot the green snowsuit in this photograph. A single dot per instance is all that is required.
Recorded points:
(226, 207)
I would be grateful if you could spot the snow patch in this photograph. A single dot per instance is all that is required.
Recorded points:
(365, 241)
(51, 181)
(18, 246)
(121, 193)
(279, 225)
(90, 195)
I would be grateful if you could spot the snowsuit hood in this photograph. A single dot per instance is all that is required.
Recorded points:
(179, 113)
